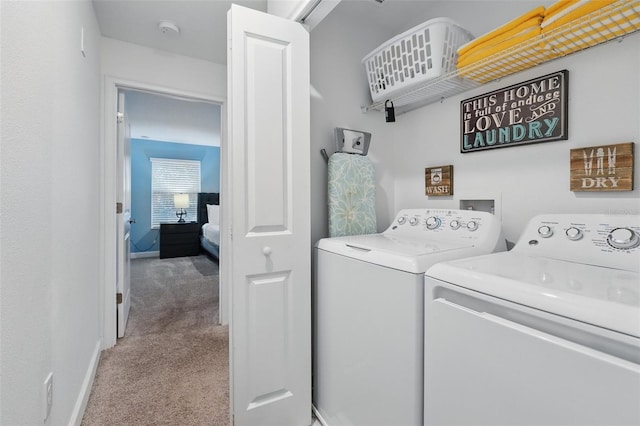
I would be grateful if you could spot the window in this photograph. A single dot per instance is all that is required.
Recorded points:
(170, 177)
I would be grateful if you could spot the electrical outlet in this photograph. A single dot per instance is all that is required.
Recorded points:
(48, 396)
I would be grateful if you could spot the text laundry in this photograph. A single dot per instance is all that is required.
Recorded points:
(534, 130)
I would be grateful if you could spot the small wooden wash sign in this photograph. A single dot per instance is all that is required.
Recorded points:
(438, 180)
(602, 168)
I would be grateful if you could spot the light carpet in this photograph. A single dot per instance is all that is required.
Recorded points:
(171, 368)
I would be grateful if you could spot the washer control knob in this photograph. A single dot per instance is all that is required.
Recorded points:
(623, 238)
(432, 222)
(573, 233)
(472, 225)
(454, 224)
(402, 220)
(413, 221)
(545, 231)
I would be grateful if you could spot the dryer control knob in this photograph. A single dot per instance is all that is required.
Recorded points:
(402, 220)
(545, 231)
(432, 222)
(623, 238)
(573, 233)
(454, 224)
(472, 225)
(413, 221)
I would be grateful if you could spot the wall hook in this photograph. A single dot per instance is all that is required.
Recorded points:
(389, 112)
(325, 155)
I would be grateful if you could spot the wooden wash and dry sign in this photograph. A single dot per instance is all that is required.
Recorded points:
(602, 168)
(530, 112)
(438, 180)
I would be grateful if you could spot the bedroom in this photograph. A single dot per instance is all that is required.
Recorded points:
(175, 148)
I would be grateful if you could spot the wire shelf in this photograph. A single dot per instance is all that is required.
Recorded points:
(612, 22)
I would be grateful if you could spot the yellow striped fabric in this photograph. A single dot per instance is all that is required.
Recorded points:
(473, 57)
(591, 26)
(522, 33)
(558, 6)
(551, 18)
(579, 12)
(537, 12)
(505, 63)
(620, 18)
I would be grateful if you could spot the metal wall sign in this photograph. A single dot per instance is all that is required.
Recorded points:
(602, 168)
(525, 113)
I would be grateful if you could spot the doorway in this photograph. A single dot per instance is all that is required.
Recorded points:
(108, 218)
(174, 148)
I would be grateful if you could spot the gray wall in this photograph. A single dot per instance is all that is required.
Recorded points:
(50, 174)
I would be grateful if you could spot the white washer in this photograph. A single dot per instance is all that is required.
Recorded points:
(545, 334)
(368, 313)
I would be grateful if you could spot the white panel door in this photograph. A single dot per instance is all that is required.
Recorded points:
(268, 73)
(123, 197)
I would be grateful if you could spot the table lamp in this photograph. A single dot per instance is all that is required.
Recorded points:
(181, 202)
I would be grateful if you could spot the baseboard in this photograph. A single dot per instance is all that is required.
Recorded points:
(141, 254)
(85, 390)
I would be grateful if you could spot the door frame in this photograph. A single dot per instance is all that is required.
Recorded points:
(107, 214)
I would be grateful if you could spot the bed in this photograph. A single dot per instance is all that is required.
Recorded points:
(209, 220)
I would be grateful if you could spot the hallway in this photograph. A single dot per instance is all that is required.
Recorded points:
(172, 365)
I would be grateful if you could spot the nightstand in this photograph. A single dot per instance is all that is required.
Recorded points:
(179, 239)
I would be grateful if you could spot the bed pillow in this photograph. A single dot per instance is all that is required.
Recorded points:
(213, 213)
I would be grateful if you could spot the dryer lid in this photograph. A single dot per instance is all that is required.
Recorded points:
(605, 297)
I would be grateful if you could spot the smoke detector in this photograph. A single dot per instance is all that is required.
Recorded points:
(168, 27)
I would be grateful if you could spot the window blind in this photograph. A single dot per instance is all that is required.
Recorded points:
(170, 177)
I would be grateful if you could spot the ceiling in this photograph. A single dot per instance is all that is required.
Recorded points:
(202, 23)
(203, 35)
(171, 119)
(203, 29)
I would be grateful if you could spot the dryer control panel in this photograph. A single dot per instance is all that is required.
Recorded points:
(451, 225)
(602, 240)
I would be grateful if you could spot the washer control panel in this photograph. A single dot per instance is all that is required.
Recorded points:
(444, 223)
(595, 239)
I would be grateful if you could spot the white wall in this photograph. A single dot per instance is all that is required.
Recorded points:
(154, 67)
(337, 93)
(50, 193)
(604, 107)
(340, 89)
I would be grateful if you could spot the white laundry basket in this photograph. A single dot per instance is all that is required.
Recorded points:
(424, 52)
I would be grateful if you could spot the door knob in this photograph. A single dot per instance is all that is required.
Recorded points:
(132, 221)
(266, 251)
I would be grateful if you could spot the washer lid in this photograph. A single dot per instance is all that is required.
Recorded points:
(408, 254)
(605, 297)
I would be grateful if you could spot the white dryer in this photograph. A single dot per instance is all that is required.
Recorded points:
(545, 334)
(368, 313)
